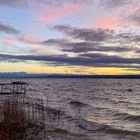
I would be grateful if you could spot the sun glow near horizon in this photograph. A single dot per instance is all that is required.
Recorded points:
(37, 68)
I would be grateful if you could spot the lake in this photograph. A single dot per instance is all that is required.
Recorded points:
(91, 109)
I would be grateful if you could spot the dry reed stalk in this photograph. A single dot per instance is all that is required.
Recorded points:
(16, 122)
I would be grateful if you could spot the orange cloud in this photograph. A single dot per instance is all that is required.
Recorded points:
(54, 14)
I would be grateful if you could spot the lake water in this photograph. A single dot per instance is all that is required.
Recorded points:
(92, 109)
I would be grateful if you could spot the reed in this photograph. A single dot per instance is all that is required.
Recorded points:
(19, 121)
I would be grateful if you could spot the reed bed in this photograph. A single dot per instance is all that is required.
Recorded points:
(24, 118)
(21, 118)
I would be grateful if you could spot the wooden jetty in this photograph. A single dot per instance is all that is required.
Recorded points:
(17, 87)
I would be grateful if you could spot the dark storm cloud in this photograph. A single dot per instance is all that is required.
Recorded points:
(8, 29)
(96, 60)
(85, 34)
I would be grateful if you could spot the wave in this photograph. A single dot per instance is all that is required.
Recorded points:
(77, 103)
(91, 126)
(112, 130)
(127, 116)
(65, 132)
(95, 127)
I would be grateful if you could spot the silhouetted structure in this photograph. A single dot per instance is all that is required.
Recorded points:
(17, 87)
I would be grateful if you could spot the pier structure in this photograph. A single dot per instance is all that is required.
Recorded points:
(17, 87)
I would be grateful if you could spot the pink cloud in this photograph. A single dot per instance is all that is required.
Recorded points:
(29, 39)
(8, 41)
(107, 22)
(54, 14)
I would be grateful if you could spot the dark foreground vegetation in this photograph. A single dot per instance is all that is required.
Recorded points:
(20, 120)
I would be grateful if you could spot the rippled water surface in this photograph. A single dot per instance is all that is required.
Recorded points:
(92, 109)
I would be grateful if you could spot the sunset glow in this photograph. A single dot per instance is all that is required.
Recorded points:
(70, 37)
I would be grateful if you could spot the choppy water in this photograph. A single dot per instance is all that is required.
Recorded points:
(92, 109)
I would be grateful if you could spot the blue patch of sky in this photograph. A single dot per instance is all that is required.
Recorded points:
(50, 33)
(17, 18)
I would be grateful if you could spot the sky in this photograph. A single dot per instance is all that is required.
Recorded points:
(99, 37)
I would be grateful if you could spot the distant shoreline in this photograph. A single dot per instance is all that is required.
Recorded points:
(74, 76)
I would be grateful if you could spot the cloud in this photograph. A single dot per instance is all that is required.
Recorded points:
(29, 39)
(12, 2)
(8, 29)
(78, 47)
(107, 22)
(59, 12)
(85, 47)
(128, 38)
(112, 60)
(114, 3)
(85, 34)
(9, 42)
(55, 42)
(87, 40)
(135, 17)
(95, 60)
(40, 3)
(103, 40)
